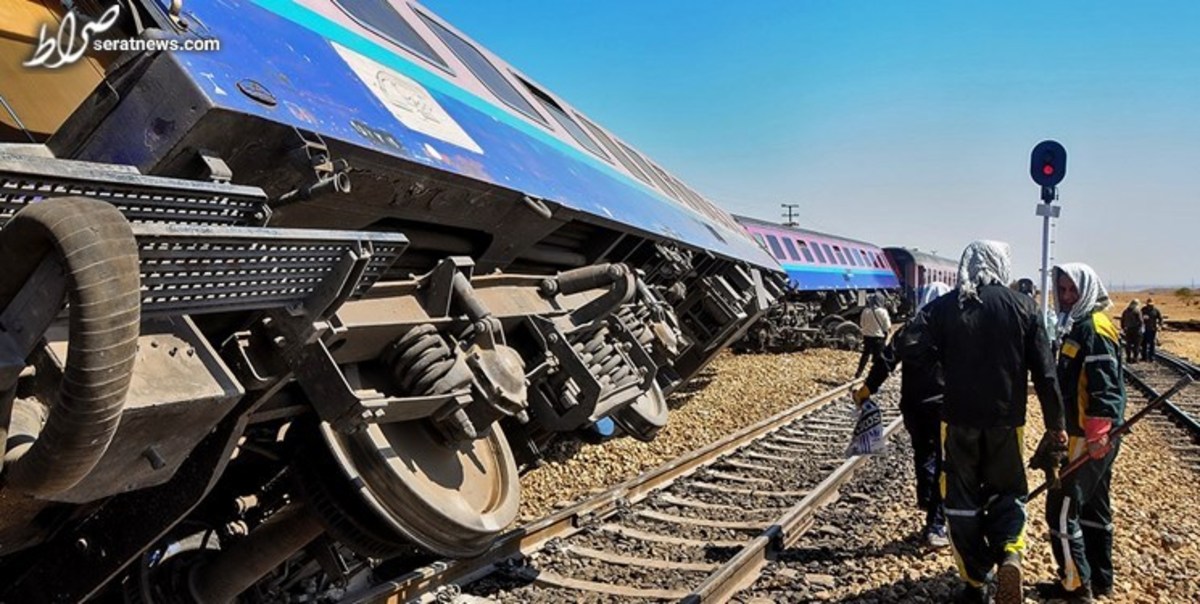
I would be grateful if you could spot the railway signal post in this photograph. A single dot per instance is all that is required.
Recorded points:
(1047, 166)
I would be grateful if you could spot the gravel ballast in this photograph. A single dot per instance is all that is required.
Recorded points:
(731, 393)
(871, 551)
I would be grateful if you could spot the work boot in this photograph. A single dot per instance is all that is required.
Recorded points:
(1056, 592)
(1008, 580)
(969, 594)
(936, 537)
(1101, 591)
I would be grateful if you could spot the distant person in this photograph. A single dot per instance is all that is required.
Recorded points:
(990, 341)
(1132, 326)
(921, 390)
(1152, 319)
(1025, 286)
(1079, 513)
(875, 325)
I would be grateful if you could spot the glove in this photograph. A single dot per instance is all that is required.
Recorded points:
(1096, 431)
(863, 393)
(1050, 455)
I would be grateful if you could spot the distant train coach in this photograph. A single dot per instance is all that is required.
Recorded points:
(829, 280)
(917, 270)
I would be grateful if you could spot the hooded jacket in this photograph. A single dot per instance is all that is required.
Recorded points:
(988, 339)
(1090, 362)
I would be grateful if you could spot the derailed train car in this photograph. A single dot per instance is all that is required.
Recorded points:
(829, 280)
(917, 271)
(328, 290)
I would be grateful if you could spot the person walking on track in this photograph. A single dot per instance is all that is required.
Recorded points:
(875, 325)
(1152, 319)
(988, 338)
(1079, 513)
(1132, 326)
(921, 387)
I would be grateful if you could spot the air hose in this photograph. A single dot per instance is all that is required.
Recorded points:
(96, 249)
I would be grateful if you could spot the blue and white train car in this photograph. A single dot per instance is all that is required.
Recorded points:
(829, 280)
(541, 277)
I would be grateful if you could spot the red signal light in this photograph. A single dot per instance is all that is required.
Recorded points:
(1047, 169)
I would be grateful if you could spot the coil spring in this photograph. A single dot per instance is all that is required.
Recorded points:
(420, 360)
(604, 360)
(637, 320)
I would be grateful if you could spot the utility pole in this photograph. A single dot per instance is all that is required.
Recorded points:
(790, 207)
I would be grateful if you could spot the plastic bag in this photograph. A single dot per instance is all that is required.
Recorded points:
(868, 431)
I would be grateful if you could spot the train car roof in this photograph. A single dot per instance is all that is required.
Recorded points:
(414, 92)
(747, 220)
(923, 257)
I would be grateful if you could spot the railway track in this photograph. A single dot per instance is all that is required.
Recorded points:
(1182, 410)
(698, 528)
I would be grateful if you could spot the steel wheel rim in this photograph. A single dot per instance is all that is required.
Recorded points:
(450, 499)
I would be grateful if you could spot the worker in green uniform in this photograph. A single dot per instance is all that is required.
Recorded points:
(1079, 513)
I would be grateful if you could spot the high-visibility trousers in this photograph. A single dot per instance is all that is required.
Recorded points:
(984, 489)
(1079, 515)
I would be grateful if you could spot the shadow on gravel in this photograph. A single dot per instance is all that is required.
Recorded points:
(684, 395)
(939, 588)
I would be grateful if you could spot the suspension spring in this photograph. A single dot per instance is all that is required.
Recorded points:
(422, 363)
(604, 360)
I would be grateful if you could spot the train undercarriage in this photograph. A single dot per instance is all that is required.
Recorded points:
(813, 319)
(226, 408)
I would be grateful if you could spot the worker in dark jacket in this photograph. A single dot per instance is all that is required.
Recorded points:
(990, 340)
(1132, 326)
(1151, 319)
(1089, 372)
(921, 407)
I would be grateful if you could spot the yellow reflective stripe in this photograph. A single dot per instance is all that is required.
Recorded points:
(942, 474)
(1070, 349)
(1105, 327)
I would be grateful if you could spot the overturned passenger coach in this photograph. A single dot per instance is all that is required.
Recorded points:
(279, 320)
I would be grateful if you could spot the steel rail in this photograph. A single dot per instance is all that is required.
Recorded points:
(1172, 410)
(532, 537)
(746, 566)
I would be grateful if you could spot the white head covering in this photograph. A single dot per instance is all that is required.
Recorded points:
(1092, 295)
(934, 291)
(984, 262)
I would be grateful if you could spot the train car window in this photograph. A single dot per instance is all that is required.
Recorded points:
(761, 242)
(775, 247)
(804, 250)
(829, 253)
(863, 256)
(483, 69)
(670, 188)
(381, 18)
(612, 149)
(644, 165)
(820, 256)
(791, 249)
(841, 257)
(562, 117)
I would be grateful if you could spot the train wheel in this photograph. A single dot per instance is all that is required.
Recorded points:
(644, 417)
(830, 324)
(452, 499)
(847, 336)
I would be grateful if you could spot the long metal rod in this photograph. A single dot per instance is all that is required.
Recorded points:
(1120, 431)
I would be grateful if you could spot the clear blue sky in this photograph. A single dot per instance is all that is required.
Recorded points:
(897, 122)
